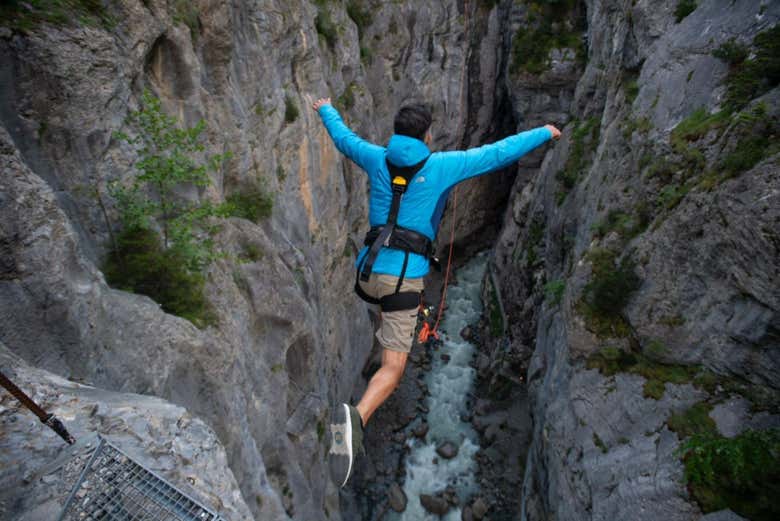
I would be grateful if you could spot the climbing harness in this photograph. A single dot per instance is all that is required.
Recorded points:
(390, 235)
(49, 420)
(427, 330)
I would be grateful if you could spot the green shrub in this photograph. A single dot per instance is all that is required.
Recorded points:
(643, 125)
(754, 76)
(683, 9)
(531, 45)
(731, 52)
(611, 284)
(748, 152)
(740, 473)
(168, 269)
(554, 291)
(693, 421)
(360, 15)
(662, 169)
(26, 15)
(671, 195)
(585, 139)
(626, 225)
(697, 125)
(598, 442)
(611, 360)
(325, 26)
(186, 12)
(631, 89)
(534, 240)
(253, 206)
(291, 111)
(347, 99)
(140, 264)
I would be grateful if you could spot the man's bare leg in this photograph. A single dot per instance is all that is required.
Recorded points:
(383, 383)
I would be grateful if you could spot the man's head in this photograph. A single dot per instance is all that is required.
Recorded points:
(413, 121)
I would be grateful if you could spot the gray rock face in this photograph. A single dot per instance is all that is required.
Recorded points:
(39, 469)
(601, 448)
(291, 337)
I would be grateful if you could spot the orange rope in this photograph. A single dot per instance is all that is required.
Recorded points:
(428, 331)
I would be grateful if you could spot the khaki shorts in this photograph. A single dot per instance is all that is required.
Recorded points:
(396, 330)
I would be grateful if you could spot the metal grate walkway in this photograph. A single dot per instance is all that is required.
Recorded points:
(113, 487)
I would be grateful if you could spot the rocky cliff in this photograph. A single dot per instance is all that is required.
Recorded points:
(288, 336)
(637, 264)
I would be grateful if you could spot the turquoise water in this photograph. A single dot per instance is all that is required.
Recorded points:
(449, 385)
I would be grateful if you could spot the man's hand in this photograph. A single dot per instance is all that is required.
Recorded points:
(326, 101)
(556, 134)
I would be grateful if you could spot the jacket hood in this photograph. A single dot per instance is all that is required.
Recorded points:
(406, 151)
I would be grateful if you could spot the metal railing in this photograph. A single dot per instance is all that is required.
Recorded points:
(113, 487)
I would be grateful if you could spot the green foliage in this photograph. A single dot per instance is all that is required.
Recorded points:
(547, 29)
(611, 284)
(253, 206)
(534, 240)
(597, 441)
(325, 26)
(656, 350)
(347, 99)
(585, 138)
(611, 360)
(748, 152)
(631, 88)
(607, 293)
(670, 196)
(662, 169)
(168, 270)
(683, 9)
(251, 253)
(366, 54)
(751, 77)
(360, 14)
(186, 12)
(554, 291)
(643, 125)
(139, 263)
(291, 111)
(26, 15)
(731, 52)
(697, 125)
(740, 473)
(693, 421)
(626, 225)
(281, 175)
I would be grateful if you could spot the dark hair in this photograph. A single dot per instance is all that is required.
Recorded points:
(413, 120)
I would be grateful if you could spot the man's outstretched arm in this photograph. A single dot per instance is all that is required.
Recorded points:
(347, 142)
(498, 155)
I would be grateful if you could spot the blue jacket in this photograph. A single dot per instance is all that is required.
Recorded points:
(426, 196)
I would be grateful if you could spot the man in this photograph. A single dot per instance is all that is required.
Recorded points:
(409, 189)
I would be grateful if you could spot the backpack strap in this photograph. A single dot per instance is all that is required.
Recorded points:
(400, 177)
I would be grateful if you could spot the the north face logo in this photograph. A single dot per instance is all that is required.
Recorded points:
(420, 179)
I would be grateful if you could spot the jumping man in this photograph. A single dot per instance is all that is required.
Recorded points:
(409, 189)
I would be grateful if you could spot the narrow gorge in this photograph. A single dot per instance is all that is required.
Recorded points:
(631, 313)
